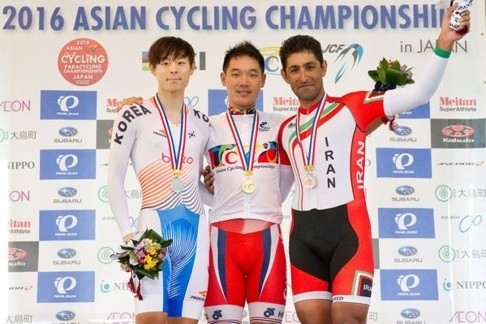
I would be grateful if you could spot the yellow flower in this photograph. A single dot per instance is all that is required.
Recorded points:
(151, 249)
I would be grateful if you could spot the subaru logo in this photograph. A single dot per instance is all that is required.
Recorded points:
(65, 315)
(407, 251)
(402, 130)
(67, 192)
(68, 131)
(404, 190)
(410, 313)
(66, 253)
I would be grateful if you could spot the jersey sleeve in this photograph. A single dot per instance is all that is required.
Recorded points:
(282, 154)
(419, 93)
(365, 106)
(122, 141)
(286, 180)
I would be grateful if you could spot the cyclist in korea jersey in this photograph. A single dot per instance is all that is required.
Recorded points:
(164, 139)
(330, 247)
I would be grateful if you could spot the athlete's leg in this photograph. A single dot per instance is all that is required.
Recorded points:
(310, 251)
(266, 280)
(151, 318)
(180, 320)
(354, 278)
(314, 311)
(185, 269)
(349, 313)
(225, 298)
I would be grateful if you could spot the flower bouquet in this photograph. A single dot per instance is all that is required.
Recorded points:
(390, 74)
(387, 76)
(144, 256)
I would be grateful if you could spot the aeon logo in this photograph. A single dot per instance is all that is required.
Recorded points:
(66, 103)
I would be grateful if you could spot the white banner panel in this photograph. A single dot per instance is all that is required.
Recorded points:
(425, 182)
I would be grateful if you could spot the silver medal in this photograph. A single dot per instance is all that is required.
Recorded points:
(177, 185)
(309, 181)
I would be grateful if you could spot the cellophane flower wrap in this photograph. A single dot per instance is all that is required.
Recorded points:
(144, 256)
(387, 76)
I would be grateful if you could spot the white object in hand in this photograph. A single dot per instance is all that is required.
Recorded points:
(463, 5)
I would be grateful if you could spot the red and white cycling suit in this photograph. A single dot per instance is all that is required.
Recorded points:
(330, 242)
(246, 266)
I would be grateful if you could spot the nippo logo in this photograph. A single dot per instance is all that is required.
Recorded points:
(83, 62)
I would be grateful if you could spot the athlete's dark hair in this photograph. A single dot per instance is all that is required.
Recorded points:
(170, 47)
(300, 43)
(244, 48)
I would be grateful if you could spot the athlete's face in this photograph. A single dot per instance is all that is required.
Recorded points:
(243, 80)
(173, 74)
(304, 74)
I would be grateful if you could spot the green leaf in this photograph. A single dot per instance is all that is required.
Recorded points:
(374, 75)
(154, 236)
(382, 76)
(395, 66)
(395, 77)
(166, 243)
(383, 64)
(146, 273)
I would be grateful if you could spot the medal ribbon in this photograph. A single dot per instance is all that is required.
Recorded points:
(175, 157)
(247, 159)
(309, 158)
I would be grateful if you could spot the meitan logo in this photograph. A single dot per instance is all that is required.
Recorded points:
(83, 62)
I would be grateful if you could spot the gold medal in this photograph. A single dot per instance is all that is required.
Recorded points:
(248, 185)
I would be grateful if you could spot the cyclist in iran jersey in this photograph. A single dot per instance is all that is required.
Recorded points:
(330, 247)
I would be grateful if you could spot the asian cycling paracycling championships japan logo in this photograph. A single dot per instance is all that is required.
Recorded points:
(82, 61)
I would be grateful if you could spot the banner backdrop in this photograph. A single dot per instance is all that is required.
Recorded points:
(66, 65)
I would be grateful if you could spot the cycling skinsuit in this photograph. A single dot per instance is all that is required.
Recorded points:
(139, 135)
(246, 267)
(330, 242)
